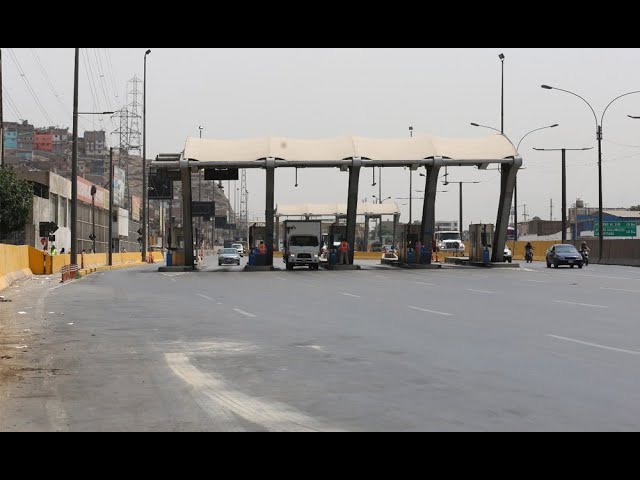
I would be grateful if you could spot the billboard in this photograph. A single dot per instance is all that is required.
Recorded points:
(135, 208)
(119, 179)
(84, 193)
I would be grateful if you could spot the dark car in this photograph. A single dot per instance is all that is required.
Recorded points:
(563, 254)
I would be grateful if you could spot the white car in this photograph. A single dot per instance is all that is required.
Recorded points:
(508, 255)
(228, 256)
(239, 247)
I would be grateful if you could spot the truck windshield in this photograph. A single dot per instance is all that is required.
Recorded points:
(450, 236)
(303, 241)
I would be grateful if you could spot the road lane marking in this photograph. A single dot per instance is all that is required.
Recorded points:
(632, 352)
(349, 295)
(581, 304)
(425, 283)
(604, 276)
(620, 290)
(242, 312)
(479, 291)
(281, 278)
(320, 348)
(536, 281)
(224, 404)
(430, 311)
(381, 276)
(205, 296)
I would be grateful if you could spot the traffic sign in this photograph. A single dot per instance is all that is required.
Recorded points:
(615, 229)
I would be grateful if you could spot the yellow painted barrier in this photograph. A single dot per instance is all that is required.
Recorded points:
(14, 264)
(36, 261)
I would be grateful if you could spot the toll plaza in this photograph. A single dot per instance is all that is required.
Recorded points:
(221, 160)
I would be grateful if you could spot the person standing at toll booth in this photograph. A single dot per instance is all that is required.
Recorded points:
(344, 251)
(262, 249)
(423, 254)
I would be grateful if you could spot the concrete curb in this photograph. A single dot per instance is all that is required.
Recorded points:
(87, 271)
(7, 279)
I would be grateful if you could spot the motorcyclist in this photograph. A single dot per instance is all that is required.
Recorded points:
(584, 248)
(528, 250)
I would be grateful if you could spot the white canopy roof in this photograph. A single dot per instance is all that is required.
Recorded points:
(327, 209)
(493, 147)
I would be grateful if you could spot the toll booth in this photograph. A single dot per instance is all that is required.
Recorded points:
(480, 242)
(409, 237)
(336, 233)
(256, 235)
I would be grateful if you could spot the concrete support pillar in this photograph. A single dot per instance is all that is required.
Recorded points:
(352, 206)
(429, 208)
(507, 182)
(365, 243)
(187, 220)
(269, 210)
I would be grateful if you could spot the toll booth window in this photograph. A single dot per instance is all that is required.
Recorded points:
(303, 241)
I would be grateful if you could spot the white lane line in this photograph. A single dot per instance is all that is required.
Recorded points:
(479, 291)
(320, 348)
(620, 290)
(242, 312)
(172, 274)
(349, 295)
(204, 296)
(224, 404)
(581, 304)
(604, 276)
(425, 283)
(281, 278)
(632, 352)
(430, 311)
(381, 276)
(536, 281)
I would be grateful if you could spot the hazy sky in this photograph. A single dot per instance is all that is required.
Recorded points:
(315, 93)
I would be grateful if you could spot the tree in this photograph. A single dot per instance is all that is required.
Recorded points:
(536, 218)
(16, 197)
(635, 208)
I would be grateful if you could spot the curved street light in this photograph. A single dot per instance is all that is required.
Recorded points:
(485, 126)
(599, 138)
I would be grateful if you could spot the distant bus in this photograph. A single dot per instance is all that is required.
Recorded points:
(511, 233)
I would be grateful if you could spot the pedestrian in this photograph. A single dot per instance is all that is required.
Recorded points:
(62, 251)
(53, 250)
(344, 251)
(423, 254)
(262, 249)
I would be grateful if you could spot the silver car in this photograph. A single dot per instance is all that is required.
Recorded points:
(228, 256)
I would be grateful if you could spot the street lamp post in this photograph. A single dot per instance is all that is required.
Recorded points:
(564, 184)
(515, 184)
(379, 201)
(93, 218)
(501, 57)
(460, 200)
(145, 194)
(599, 138)
(410, 180)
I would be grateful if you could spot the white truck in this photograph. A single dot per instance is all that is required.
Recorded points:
(449, 241)
(302, 243)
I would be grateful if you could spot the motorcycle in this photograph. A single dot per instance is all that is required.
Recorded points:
(585, 257)
(528, 256)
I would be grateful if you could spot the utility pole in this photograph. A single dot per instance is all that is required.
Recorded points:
(551, 209)
(74, 165)
(110, 239)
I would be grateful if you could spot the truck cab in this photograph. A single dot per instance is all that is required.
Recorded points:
(449, 241)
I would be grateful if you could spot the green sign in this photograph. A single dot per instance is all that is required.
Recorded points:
(616, 229)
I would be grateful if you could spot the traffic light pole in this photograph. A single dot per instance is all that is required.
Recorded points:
(110, 240)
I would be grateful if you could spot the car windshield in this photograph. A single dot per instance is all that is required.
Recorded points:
(565, 249)
(229, 251)
(450, 236)
(303, 241)
(237, 245)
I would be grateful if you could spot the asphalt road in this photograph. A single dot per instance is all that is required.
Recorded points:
(381, 349)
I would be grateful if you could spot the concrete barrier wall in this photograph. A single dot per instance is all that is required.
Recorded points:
(14, 264)
(36, 261)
